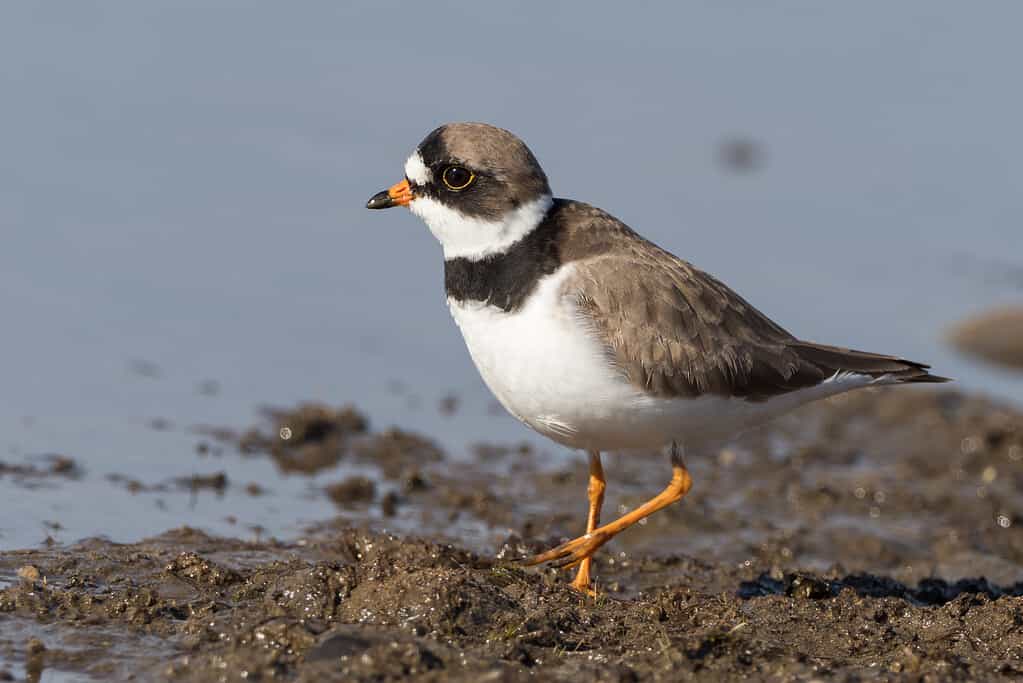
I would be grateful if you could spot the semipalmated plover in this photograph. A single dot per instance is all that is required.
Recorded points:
(598, 338)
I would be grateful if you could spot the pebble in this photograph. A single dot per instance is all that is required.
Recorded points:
(30, 573)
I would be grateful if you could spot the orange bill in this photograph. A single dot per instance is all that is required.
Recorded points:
(399, 194)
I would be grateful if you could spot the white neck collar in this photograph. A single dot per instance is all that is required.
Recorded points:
(471, 238)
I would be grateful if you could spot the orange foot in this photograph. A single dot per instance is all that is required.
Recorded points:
(578, 551)
(582, 582)
(571, 553)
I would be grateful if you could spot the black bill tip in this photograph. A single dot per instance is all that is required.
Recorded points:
(381, 200)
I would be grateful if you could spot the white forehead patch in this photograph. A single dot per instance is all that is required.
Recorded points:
(463, 236)
(416, 171)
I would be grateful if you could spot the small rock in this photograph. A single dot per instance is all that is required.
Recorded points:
(448, 405)
(29, 573)
(389, 504)
(197, 569)
(740, 154)
(995, 336)
(352, 490)
(254, 489)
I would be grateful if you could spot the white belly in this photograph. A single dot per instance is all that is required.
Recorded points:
(551, 372)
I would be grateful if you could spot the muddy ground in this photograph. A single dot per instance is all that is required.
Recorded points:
(878, 536)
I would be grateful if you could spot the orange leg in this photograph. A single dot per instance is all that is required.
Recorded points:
(580, 549)
(596, 495)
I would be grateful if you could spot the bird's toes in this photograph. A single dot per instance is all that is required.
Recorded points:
(586, 588)
(571, 553)
(549, 556)
(568, 562)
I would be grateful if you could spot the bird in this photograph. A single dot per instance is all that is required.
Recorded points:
(597, 338)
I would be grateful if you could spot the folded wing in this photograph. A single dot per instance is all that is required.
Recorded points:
(677, 331)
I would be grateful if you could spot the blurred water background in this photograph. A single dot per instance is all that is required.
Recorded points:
(184, 238)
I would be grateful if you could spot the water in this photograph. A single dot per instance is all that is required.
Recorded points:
(77, 648)
(183, 184)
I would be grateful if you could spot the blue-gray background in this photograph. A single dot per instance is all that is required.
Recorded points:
(183, 183)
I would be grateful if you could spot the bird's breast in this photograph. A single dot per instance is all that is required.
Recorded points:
(541, 361)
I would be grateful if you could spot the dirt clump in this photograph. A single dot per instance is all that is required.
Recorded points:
(313, 437)
(994, 336)
(216, 482)
(40, 468)
(352, 491)
(397, 452)
(305, 439)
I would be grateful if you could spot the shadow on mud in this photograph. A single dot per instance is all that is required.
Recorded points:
(930, 591)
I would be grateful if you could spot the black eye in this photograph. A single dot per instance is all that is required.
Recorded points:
(457, 177)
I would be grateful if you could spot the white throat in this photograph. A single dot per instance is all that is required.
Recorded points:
(463, 236)
(471, 238)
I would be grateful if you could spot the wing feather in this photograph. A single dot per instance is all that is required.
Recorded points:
(677, 331)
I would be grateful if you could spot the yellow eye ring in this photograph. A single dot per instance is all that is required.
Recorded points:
(457, 177)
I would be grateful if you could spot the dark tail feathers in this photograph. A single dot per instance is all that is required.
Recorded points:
(832, 359)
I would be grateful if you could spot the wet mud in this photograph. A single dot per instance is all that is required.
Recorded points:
(876, 536)
(37, 471)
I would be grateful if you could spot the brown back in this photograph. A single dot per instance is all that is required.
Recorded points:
(677, 331)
